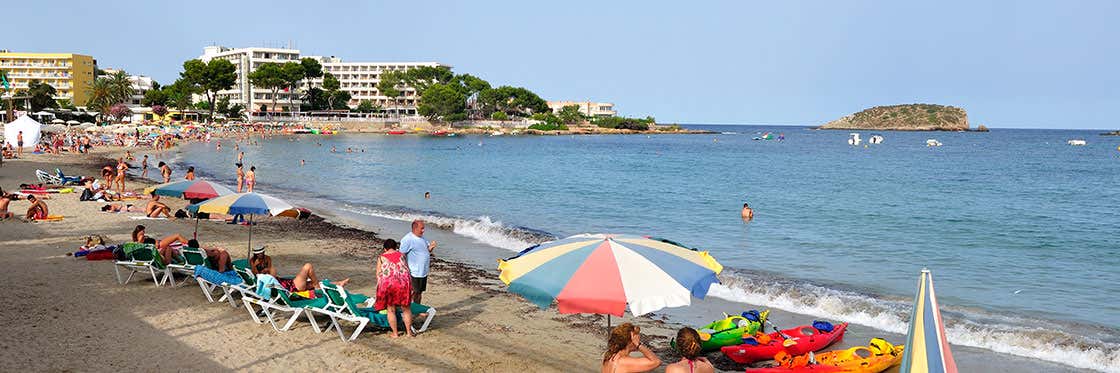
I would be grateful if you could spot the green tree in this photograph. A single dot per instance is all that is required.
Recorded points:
(468, 84)
(511, 100)
(42, 95)
(209, 78)
(441, 100)
(155, 96)
(120, 87)
(340, 100)
(270, 76)
(314, 99)
(311, 68)
(422, 77)
(390, 85)
(498, 115)
(66, 104)
(365, 106)
(223, 105)
(570, 114)
(100, 94)
(180, 95)
(234, 111)
(294, 73)
(330, 87)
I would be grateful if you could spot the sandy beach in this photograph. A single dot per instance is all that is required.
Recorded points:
(71, 310)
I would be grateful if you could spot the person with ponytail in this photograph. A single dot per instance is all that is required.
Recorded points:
(688, 345)
(623, 341)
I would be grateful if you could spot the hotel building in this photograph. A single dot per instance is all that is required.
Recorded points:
(70, 74)
(588, 108)
(248, 60)
(360, 79)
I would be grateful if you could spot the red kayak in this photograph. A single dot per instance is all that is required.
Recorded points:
(397, 132)
(808, 339)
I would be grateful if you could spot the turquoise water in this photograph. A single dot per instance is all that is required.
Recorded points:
(1019, 228)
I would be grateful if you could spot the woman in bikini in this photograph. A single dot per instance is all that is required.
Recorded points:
(121, 168)
(251, 178)
(190, 173)
(305, 279)
(688, 345)
(240, 177)
(624, 340)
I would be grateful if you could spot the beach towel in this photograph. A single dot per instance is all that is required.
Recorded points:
(215, 277)
(100, 255)
(50, 218)
(146, 218)
(264, 285)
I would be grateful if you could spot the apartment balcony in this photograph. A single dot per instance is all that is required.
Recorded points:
(35, 65)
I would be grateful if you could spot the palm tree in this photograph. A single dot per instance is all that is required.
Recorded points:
(120, 87)
(100, 94)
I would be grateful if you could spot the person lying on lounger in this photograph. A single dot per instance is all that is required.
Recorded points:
(218, 256)
(38, 209)
(117, 207)
(139, 234)
(304, 280)
(155, 208)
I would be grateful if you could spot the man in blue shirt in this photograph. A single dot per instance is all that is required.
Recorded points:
(418, 252)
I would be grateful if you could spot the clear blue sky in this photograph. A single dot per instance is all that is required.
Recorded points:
(1010, 63)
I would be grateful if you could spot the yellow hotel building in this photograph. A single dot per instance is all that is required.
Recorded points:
(70, 74)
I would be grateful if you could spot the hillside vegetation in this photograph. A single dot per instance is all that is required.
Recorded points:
(911, 117)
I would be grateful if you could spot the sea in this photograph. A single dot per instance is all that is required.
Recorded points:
(1020, 229)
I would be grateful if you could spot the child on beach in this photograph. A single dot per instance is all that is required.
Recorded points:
(624, 340)
(394, 287)
(144, 166)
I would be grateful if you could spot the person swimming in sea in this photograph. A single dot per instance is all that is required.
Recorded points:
(747, 212)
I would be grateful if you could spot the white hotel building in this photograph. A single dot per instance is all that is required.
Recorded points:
(357, 78)
(247, 60)
(360, 79)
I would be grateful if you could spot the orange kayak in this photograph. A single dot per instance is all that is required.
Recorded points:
(878, 356)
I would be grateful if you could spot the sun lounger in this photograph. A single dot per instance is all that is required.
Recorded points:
(280, 303)
(47, 178)
(344, 306)
(142, 258)
(211, 281)
(65, 180)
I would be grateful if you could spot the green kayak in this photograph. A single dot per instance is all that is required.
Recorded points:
(730, 330)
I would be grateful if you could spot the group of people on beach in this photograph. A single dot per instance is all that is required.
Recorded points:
(624, 340)
(36, 211)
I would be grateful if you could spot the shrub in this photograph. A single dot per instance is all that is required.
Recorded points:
(624, 123)
(499, 115)
(548, 127)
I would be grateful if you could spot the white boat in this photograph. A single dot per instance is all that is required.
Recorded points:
(496, 133)
(1076, 142)
(933, 142)
(875, 139)
(854, 140)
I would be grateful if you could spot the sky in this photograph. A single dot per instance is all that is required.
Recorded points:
(1017, 64)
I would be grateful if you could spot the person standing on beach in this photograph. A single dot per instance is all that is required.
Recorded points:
(251, 178)
(144, 166)
(121, 168)
(240, 177)
(240, 157)
(165, 171)
(190, 173)
(419, 252)
(394, 287)
(19, 144)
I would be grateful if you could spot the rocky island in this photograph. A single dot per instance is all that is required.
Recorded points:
(1113, 133)
(911, 117)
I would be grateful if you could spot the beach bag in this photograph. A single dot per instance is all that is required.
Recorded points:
(119, 254)
(87, 195)
(180, 214)
(823, 326)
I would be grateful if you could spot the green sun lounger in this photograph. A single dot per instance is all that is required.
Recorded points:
(345, 306)
(281, 302)
(142, 258)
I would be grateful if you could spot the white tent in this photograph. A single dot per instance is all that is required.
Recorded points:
(30, 130)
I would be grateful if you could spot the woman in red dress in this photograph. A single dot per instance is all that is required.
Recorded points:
(394, 287)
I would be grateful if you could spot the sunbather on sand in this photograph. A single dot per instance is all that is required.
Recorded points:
(5, 199)
(155, 208)
(117, 207)
(139, 234)
(218, 256)
(304, 280)
(38, 209)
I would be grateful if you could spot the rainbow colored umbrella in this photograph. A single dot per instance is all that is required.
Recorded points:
(927, 349)
(246, 204)
(190, 189)
(605, 273)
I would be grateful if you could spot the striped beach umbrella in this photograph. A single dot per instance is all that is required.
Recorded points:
(246, 204)
(190, 189)
(605, 273)
(927, 349)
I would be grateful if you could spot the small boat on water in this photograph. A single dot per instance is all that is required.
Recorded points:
(875, 139)
(397, 132)
(933, 142)
(1076, 142)
(854, 140)
(496, 133)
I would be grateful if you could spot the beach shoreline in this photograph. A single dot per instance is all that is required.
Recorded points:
(334, 244)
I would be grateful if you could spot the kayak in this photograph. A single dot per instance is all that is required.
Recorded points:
(878, 356)
(398, 132)
(808, 338)
(730, 330)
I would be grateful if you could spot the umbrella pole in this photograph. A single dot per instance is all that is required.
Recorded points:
(196, 225)
(250, 252)
(608, 323)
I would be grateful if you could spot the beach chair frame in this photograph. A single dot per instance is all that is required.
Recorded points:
(150, 264)
(340, 307)
(47, 178)
(272, 308)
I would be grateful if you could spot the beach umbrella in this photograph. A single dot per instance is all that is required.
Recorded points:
(53, 128)
(72, 122)
(58, 121)
(190, 189)
(88, 124)
(927, 348)
(246, 204)
(606, 273)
